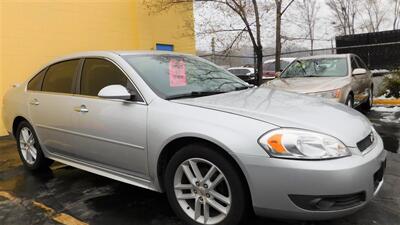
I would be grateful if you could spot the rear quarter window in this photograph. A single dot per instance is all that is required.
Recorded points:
(35, 84)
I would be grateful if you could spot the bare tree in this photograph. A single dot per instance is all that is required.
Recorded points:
(396, 14)
(375, 11)
(345, 12)
(249, 12)
(306, 20)
(278, 38)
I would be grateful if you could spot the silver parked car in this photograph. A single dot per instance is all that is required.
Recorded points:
(179, 124)
(343, 78)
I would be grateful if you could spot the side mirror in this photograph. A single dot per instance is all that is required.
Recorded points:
(359, 71)
(278, 74)
(115, 92)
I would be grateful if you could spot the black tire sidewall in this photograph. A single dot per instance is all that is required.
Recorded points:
(239, 204)
(41, 161)
(350, 98)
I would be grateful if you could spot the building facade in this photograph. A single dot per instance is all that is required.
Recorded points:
(34, 32)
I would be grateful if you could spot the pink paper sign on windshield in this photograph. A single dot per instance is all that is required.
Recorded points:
(177, 73)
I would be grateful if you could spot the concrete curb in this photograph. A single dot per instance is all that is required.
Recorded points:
(387, 102)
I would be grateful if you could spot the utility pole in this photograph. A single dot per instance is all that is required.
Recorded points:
(213, 49)
(278, 45)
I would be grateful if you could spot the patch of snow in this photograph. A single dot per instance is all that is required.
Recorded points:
(380, 71)
(390, 119)
(386, 109)
(384, 97)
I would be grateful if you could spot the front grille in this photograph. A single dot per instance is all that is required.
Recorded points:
(366, 142)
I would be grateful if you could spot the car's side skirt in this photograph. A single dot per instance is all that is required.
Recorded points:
(136, 181)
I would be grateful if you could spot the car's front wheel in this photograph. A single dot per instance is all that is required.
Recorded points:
(29, 148)
(203, 187)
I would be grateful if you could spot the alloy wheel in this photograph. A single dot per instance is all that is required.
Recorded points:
(202, 191)
(27, 145)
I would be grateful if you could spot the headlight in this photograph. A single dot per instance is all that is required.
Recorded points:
(301, 144)
(327, 94)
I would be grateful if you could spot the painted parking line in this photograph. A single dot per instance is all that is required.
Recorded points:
(61, 218)
(7, 195)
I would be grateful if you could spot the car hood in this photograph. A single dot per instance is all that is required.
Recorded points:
(309, 84)
(286, 109)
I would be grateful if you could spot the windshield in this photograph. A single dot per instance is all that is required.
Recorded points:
(321, 67)
(270, 66)
(173, 76)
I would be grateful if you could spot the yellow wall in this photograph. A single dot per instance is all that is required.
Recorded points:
(34, 32)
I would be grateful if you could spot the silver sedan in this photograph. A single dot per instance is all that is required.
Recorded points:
(178, 124)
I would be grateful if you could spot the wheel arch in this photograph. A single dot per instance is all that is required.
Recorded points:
(16, 122)
(174, 145)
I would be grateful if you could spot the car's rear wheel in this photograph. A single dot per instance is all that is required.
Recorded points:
(203, 187)
(29, 148)
(350, 101)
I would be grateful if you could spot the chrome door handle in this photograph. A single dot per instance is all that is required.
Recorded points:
(81, 108)
(35, 102)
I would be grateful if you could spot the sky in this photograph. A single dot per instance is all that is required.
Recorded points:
(324, 28)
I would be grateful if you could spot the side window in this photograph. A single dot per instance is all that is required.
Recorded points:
(99, 73)
(35, 84)
(354, 64)
(361, 63)
(59, 77)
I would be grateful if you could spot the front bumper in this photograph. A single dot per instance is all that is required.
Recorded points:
(273, 183)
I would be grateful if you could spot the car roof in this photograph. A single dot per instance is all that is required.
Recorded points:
(110, 53)
(290, 59)
(326, 56)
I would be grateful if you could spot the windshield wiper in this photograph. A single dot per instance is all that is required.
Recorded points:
(244, 87)
(194, 94)
(312, 76)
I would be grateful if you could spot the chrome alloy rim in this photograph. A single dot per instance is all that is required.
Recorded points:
(349, 103)
(26, 144)
(202, 191)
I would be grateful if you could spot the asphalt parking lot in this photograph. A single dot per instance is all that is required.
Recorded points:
(65, 195)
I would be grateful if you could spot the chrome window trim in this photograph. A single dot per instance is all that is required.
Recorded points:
(88, 96)
(143, 102)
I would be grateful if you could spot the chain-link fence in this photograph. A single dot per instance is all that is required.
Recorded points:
(376, 56)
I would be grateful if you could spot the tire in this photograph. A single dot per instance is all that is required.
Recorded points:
(202, 193)
(29, 148)
(368, 104)
(350, 101)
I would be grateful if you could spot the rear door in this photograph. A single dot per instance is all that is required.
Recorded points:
(50, 103)
(110, 133)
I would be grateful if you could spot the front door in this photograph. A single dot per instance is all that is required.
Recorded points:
(110, 133)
